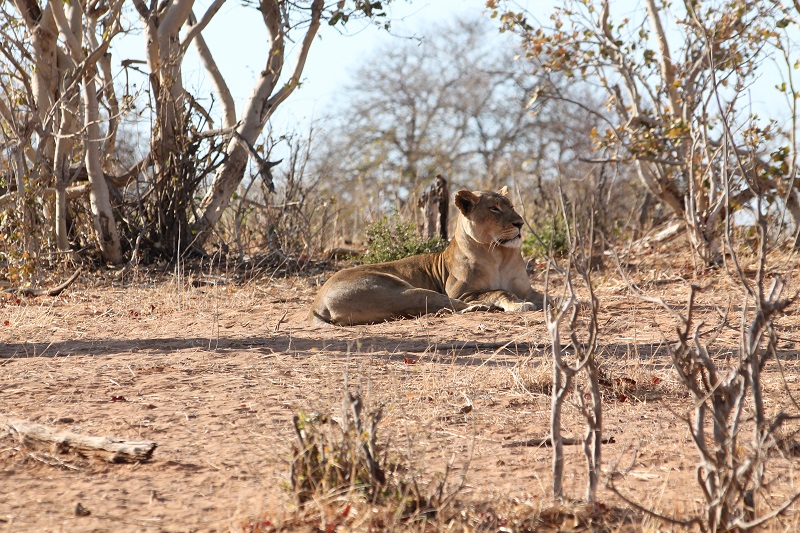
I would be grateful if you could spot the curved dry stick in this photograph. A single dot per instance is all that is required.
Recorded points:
(54, 291)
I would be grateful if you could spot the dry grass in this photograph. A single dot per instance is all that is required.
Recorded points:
(214, 369)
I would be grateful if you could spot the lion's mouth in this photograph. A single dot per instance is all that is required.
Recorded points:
(518, 236)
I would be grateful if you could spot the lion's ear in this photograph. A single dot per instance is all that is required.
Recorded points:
(503, 191)
(466, 201)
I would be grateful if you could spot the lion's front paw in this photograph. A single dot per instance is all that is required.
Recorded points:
(521, 307)
(446, 311)
(478, 307)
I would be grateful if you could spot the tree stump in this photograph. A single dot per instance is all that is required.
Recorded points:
(435, 206)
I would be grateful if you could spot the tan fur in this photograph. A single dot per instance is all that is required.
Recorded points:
(481, 268)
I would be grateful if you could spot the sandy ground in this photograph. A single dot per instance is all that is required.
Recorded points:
(213, 371)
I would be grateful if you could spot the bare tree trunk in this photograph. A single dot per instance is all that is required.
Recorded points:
(793, 206)
(44, 82)
(561, 384)
(64, 145)
(593, 445)
(221, 88)
(644, 212)
(60, 223)
(71, 26)
(44, 79)
(258, 109)
(20, 171)
(102, 215)
(562, 379)
(99, 198)
(110, 141)
(166, 208)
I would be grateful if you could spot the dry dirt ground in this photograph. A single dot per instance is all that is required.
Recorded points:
(213, 370)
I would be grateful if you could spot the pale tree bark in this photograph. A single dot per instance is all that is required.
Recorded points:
(110, 140)
(18, 160)
(100, 199)
(61, 171)
(44, 82)
(258, 109)
(164, 58)
(165, 53)
(172, 187)
(19, 138)
(65, 141)
(565, 374)
(54, 85)
(207, 59)
(652, 174)
(665, 63)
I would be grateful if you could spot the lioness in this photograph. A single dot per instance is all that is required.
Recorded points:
(482, 267)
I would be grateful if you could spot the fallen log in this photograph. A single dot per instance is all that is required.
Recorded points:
(109, 449)
(54, 291)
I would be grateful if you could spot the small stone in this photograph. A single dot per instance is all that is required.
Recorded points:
(80, 510)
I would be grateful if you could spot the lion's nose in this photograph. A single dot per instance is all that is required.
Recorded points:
(517, 224)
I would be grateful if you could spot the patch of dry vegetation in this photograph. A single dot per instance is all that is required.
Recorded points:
(214, 373)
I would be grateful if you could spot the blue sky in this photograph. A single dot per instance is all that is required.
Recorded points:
(335, 58)
(237, 39)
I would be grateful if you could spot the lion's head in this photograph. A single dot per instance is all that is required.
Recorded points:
(489, 218)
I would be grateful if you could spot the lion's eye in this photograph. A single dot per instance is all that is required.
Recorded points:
(494, 209)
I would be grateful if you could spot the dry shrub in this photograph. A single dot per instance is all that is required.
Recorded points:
(289, 217)
(330, 456)
(342, 477)
(533, 377)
